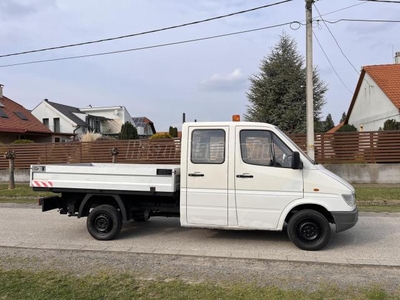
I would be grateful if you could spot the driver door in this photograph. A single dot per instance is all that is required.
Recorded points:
(264, 180)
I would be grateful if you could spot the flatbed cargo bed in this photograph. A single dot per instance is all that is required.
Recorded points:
(105, 176)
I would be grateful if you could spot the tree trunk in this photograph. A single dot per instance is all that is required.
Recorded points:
(114, 152)
(10, 155)
(11, 181)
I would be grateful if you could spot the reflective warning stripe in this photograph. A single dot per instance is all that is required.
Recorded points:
(37, 183)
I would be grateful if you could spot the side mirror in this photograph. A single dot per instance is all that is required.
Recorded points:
(297, 164)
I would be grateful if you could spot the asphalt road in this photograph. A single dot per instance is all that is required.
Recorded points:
(375, 240)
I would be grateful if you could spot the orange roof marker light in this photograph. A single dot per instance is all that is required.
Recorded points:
(236, 118)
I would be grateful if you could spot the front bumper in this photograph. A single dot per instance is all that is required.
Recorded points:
(345, 219)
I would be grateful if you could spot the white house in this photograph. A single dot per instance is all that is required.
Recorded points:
(71, 122)
(106, 120)
(66, 121)
(377, 97)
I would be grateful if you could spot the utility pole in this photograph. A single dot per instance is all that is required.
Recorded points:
(309, 82)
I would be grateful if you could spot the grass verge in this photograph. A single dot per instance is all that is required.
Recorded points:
(370, 197)
(22, 193)
(20, 284)
(378, 197)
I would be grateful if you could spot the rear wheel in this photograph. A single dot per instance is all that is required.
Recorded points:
(104, 222)
(309, 230)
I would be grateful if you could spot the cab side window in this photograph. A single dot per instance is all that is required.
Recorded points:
(256, 147)
(264, 148)
(208, 146)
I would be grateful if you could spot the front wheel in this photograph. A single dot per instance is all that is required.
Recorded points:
(309, 230)
(104, 222)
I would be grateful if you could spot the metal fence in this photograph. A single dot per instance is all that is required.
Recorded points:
(337, 148)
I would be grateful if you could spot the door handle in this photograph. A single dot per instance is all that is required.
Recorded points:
(244, 176)
(196, 175)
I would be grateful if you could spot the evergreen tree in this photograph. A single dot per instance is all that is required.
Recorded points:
(278, 95)
(347, 128)
(173, 131)
(329, 124)
(391, 124)
(128, 132)
(344, 116)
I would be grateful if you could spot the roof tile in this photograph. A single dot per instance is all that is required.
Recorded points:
(13, 123)
(387, 77)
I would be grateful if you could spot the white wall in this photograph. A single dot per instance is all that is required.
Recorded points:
(118, 113)
(372, 107)
(45, 110)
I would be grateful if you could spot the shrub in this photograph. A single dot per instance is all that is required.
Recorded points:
(90, 137)
(22, 141)
(347, 128)
(161, 135)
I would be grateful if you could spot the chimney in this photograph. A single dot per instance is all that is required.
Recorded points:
(1, 90)
(397, 58)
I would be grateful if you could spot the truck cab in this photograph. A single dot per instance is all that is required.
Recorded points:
(247, 175)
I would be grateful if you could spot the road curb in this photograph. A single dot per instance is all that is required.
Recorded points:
(210, 254)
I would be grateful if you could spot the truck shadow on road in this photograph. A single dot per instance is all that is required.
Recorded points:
(169, 229)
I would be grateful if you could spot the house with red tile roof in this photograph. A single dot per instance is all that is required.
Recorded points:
(376, 98)
(16, 122)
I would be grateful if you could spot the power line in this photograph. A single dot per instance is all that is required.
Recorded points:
(148, 47)
(333, 68)
(147, 32)
(359, 20)
(340, 48)
(344, 8)
(382, 1)
(337, 43)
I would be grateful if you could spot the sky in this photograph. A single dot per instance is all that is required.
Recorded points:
(207, 80)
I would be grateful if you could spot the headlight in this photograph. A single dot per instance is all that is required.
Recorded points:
(350, 199)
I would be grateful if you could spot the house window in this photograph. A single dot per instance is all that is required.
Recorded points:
(57, 140)
(21, 115)
(46, 122)
(56, 124)
(3, 114)
(96, 125)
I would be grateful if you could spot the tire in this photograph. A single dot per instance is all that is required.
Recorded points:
(309, 230)
(104, 222)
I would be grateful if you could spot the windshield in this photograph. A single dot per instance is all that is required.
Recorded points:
(297, 147)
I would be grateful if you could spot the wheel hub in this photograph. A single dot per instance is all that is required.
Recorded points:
(308, 230)
(102, 223)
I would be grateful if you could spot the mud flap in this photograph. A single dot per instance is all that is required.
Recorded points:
(50, 203)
